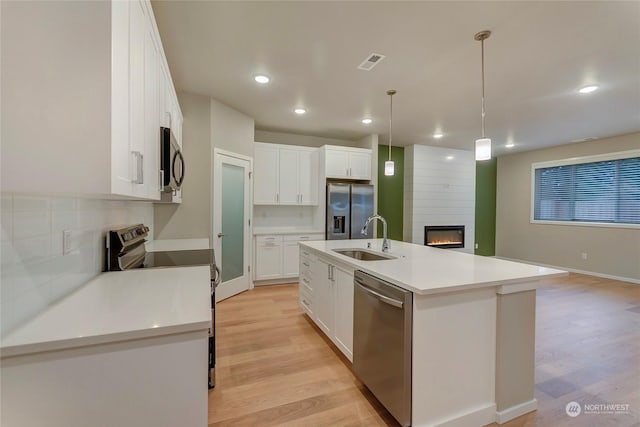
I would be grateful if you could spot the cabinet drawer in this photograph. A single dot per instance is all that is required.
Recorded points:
(306, 301)
(305, 286)
(262, 240)
(303, 237)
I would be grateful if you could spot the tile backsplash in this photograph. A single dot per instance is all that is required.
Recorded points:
(34, 273)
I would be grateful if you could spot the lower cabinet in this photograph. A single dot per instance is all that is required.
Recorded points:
(331, 290)
(276, 256)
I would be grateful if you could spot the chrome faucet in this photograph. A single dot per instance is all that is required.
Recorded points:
(385, 241)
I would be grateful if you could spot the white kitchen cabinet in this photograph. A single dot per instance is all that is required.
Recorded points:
(290, 264)
(347, 162)
(265, 174)
(323, 295)
(343, 310)
(332, 287)
(305, 285)
(285, 175)
(96, 102)
(268, 257)
(277, 256)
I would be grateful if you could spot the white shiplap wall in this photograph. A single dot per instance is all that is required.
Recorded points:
(440, 188)
(34, 272)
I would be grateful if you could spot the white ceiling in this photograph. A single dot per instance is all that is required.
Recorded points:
(539, 55)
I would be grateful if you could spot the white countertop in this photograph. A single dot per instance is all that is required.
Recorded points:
(258, 231)
(426, 270)
(117, 306)
(176, 245)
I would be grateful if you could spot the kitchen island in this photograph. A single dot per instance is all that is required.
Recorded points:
(473, 324)
(128, 348)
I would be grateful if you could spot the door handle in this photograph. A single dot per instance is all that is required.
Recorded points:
(220, 235)
(382, 298)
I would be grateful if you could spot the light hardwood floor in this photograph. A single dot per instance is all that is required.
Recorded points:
(275, 368)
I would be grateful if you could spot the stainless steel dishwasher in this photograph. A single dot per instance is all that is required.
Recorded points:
(382, 323)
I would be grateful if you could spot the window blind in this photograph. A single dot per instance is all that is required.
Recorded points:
(603, 191)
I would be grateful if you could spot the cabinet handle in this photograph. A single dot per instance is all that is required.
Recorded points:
(305, 264)
(278, 197)
(301, 198)
(347, 173)
(305, 302)
(161, 181)
(329, 271)
(139, 165)
(305, 280)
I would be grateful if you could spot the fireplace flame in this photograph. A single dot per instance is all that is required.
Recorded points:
(445, 242)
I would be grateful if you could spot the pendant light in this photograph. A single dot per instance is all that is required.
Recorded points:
(389, 169)
(483, 145)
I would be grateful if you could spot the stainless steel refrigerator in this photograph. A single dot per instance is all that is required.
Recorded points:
(348, 207)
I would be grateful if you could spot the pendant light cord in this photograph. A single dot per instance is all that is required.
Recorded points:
(482, 53)
(390, 123)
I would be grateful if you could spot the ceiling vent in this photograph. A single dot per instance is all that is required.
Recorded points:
(371, 61)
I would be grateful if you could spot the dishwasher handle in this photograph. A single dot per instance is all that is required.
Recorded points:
(382, 298)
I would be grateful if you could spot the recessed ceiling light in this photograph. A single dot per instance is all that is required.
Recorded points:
(450, 157)
(262, 78)
(299, 111)
(438, 135)
(588, 89)
(367, 121)
(509, 144)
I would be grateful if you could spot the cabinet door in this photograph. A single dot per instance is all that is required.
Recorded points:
(323, 296)
(151, 160)
(360, 165)
(308, 177)
(343, 312)
(137, 36)
(290, 265)
(268, 261)
(288, 179)
(336, 164)
(265, 175)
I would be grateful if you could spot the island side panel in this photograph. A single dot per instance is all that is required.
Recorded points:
(454, 344)
(159, 381)
(515, 354)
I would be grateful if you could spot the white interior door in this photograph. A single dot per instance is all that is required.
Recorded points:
(231, 225)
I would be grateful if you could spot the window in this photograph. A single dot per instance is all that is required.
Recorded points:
(595, 190)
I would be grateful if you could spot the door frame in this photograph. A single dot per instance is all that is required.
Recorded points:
(216, 221)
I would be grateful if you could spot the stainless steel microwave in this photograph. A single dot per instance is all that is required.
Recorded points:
(171, 161)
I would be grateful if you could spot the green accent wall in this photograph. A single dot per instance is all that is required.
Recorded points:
(391, 191)
(486, 172)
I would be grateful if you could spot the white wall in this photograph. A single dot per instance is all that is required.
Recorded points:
(439, 191)
(231, 130)
(35, 273)
(192, 218)
(610, 251)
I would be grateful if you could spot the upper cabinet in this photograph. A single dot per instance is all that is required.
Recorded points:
(347, 162)
(86, 88)
(285, 175)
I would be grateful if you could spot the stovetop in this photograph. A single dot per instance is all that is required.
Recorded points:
(179, 258)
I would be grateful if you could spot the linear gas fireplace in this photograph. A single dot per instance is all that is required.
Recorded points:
(444, 236)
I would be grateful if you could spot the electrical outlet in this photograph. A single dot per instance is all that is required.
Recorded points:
(584, 255)
(66, 242)
(477, 245)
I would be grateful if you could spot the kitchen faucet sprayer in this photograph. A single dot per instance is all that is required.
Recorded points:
(385, 241)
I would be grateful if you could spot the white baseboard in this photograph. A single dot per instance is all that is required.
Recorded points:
(575, 270)
(283, 281)
(476, 417)
(516, 411)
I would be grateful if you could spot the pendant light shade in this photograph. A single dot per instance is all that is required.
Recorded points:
(483, 145)
(483, 149)
(389, 166)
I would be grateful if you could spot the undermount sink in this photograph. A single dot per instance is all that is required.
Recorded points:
(363, 254)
